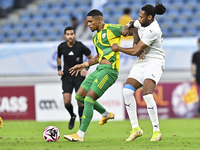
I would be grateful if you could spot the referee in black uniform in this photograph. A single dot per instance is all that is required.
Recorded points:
(72, 52)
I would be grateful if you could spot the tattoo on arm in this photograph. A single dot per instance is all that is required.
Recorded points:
(124, 30)
(94, 60)
(136, 37)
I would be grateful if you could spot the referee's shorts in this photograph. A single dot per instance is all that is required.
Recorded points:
(69, 82)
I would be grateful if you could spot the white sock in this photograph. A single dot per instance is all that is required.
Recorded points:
(131, 106)
(152, 111)
(81, 134)
(105, 114)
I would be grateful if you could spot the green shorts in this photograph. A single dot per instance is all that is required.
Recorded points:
(101, 79)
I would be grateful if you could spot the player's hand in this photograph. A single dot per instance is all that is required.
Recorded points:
(115, 47)
(60, 73)
(142, 55)
(83, 72)
(76, 69)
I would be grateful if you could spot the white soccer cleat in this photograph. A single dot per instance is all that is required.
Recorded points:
(73, 138)
(135, 133)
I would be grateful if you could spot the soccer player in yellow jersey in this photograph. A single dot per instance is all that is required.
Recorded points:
(103, 77)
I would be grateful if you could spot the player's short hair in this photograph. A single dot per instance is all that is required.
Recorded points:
(198, 40)
(151, 10)
(95, 13)
(127, 11)
(69, 28)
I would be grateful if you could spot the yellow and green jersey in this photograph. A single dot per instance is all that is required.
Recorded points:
(104, 39)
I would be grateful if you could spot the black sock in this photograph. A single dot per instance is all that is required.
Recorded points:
(80, 111)
(70, 109)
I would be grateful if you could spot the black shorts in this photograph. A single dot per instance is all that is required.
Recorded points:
(70, 82)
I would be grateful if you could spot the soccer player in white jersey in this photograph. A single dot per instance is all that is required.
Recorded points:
(145, 72)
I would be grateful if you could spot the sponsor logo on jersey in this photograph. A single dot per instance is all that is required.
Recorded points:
(103, 35)
(78, 59)
(71, 53)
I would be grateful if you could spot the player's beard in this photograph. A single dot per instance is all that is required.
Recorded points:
(70, 40)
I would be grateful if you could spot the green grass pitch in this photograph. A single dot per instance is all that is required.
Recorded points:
(178, 134)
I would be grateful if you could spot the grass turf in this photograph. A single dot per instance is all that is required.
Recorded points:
(180, 134)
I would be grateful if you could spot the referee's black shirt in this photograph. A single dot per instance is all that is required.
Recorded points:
(72, 55)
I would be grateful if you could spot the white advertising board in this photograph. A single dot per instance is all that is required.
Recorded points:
(40, 58)
(49, 102)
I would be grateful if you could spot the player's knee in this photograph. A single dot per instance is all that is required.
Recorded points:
(127, 92)
(78, 97)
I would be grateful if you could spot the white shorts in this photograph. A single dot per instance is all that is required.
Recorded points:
(151, 68)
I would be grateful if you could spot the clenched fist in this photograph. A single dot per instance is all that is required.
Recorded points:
(115, 47)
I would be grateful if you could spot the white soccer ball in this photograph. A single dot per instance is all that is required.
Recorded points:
(51, 134)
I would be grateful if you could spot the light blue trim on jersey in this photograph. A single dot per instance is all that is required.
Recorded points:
(128, 86)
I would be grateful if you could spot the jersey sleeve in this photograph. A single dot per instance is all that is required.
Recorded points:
(136, 24)
(149, 37)
(59, 52)
(115, 29)
(86, 50)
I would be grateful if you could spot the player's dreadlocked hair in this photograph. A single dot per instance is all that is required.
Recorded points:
(95, 13)
(151, 10)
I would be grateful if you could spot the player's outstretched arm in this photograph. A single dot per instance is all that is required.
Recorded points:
(94, 60)
(135, 51)
(125, 31)
(80, 67)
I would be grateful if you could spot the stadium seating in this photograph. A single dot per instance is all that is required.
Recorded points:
(45, 20)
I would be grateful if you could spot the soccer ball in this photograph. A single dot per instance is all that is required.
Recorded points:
(51, 134)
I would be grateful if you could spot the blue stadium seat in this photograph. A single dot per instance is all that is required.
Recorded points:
(37, 38)
(179, 25)
(37, 17)
(24, 18)
(81, 10)
(27, 31)
(10, 38)
(167, 25)
(135, 8)
(44, 8)
(4, 4)
(53, 11)
(190, 32)
(62, 20)
(84, 2)
(193, 24)
(24, 38)
(73, 2)
(159, 18)
(165, 32)
(176, 32)
(14, 31)
(108, 8)
(186, 14)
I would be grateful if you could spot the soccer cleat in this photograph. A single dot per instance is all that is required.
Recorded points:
(73, 138)
(156, 136)
(71, 122)
(104, 120)
(136, 132)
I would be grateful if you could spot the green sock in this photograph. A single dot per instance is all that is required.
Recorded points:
(87, 113)
(98, 107)
(79, 98)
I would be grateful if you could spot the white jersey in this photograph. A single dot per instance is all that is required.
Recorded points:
(151, 36)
